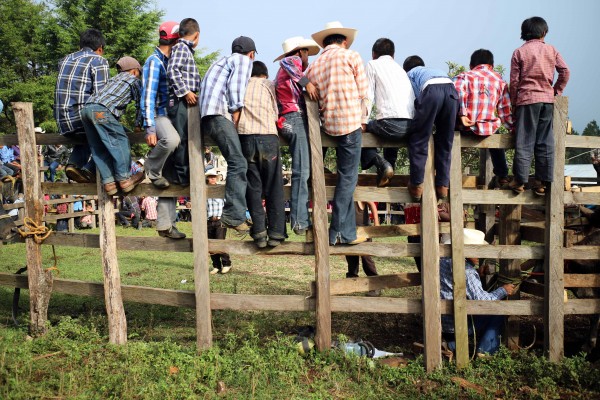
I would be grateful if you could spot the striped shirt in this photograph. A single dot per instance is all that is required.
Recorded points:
(182, 70)
(484, 99)
(224, 85)
(259, 115)
(214, 207)
(155, 92)
(149, 208)
(532, 73)
(289, 85)
(390, 89)
(80, 75)
(120, 90)
(339, 76)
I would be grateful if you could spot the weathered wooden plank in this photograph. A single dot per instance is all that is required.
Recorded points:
(536, 289)
(397, 230)
(582, 280)
(585, 142)
(582, 198)
(472, 196)
(365, 284)
(489, 142)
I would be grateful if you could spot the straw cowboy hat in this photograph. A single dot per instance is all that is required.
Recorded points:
(213, 172)
(471, 236)
(296, 43)
(332, 28)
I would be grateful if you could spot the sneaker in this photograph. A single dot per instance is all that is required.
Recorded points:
(274, 242)
(242, 228)
(172, 233)
(214, 271)
(517, 187)
(75, 174)
(359, 239)
(415, 191)
(110, 188)
(441, 192)
(226, 269)
(130, 183)
(160, 183)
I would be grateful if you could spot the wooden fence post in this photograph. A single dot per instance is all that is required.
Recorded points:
(554, 311)
(320, 229)
(40, 281)
(509, 232)
(199, 231)
(430, 268)
(487, 212)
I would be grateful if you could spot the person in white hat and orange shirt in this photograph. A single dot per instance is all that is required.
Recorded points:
(290, 85)
(340, 78)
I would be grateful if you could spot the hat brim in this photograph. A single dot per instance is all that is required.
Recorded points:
(348, 32)
(309, 44)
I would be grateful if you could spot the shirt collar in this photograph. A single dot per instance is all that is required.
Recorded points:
(188, 43)
(160, 54)
(332, 46)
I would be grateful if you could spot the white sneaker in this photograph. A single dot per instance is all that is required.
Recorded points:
(214, 271)
(225, 270)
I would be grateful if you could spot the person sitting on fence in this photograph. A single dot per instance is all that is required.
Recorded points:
(487, 327)
(87, 221)
(257, 129)
(55, 157)
(6, 173)
(532, 95)
(80, 75)
(106, 136)
(130, 212)
(221, 103)
(149, 211)
(436, 102)
(485, 106)
(290, 83)
(7, 158)
(339, 76)
(221, 262)
(392, 94)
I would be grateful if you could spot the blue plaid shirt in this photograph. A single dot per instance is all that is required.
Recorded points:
(118, 92)
(224, 85)
(474, 289)
(214, 207)
(80, 75)
(155, 92)
(182, 70)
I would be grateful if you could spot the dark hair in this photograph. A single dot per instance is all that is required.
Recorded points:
(534, 28)
(481, 56)
(259, 68)
(92, 38)
(188, 26)
(335, 38)
(167, 42)
(384, 47)
(411, 62)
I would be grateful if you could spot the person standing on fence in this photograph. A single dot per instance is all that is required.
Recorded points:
(221, 104)
(290, 84)
(80, 75)
(214, 210)
(485, 107)
(260, 145)
(339, 76)
(393, 96)
(532, 95)
(106, 136)
(436, 102)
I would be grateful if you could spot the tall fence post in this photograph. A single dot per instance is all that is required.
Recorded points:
(509, 233)
(321, 232)
(554, 311)
(40, 281)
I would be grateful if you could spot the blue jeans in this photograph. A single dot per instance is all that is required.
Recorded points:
(81, 155)
(487, 333)
(297, 138)
(389, 128)
(223, 132)
(108, 142)
(343, 217)
(52, 169)
(5, 171)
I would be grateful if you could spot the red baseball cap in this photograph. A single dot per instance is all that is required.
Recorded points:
(169, 30)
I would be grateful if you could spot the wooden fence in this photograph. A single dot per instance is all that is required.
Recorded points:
(327, 296)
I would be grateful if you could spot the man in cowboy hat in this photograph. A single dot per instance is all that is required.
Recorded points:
(290, 83)
(339, 76)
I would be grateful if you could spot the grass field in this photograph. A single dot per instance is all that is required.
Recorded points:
(254, 355)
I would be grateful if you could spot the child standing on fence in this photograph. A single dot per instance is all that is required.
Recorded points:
(436, 102)
(214, 210)
(260, 145)
(532, 94)
(106, 136)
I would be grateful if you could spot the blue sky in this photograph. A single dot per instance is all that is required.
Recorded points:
(437, 30)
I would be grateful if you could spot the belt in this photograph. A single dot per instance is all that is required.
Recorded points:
(214, 218)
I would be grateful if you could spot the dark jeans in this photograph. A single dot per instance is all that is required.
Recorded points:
(223, 132)
(264, 180)
(368, 265)
(216, 231)
(437, 104)
(51, 173)
(81, 155)
(388, 128)
(487, 330)
(343, 217)
(124, 216)
(534, 138)
(498, 156)
(177, 166)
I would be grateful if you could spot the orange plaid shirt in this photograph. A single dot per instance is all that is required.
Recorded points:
(340, 78)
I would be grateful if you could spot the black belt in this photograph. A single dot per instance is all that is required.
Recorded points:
(214, 218)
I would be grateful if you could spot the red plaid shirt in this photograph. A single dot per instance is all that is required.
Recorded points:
(532, 73)
(484, 99)
(149, 208)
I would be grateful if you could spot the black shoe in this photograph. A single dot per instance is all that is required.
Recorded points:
(274, 242)
(91, 177)
(261, 243)
(385, 171)
(76, 174)
(160, 183)
(172, 233)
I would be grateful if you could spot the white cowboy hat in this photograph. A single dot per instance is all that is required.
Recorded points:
(298, 42)
(38, 129)
(471, 236)
(141, 161)
(332, 28)
(212, 172)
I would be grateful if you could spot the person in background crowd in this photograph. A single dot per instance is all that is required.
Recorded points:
(214, 209)
(148, 208)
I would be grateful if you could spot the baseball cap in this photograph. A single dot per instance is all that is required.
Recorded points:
(243, 44)
(127, 63)
(169, 30)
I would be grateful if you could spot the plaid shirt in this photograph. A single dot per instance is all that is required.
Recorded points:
(340, 78)
(224, 85)
(259, 115)
(532, 73)
(155, 92)
(214, 207)
(118, 92)
(80, 75)
(289, 85)
(182, 70)
(149, 208)
(483, 93)
(474, 289)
